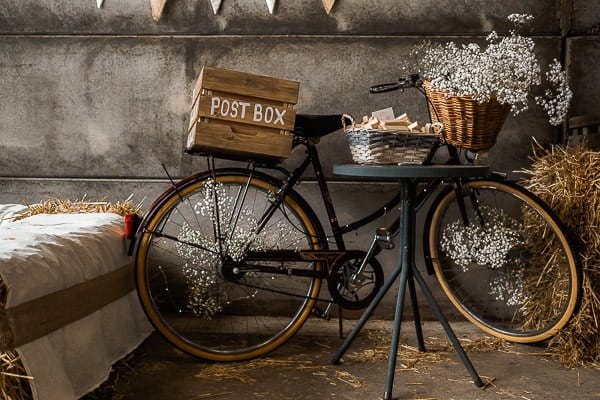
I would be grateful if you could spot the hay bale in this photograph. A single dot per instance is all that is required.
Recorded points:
(14, 382)
(568, 180)
(59, 206)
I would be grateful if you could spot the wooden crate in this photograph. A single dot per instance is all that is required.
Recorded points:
(242, 114)
(584, 130)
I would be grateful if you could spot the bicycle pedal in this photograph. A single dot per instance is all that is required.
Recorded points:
(320, 313)
(384, 238)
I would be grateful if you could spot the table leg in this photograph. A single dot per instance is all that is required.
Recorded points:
(440, 316)
(340, 321)
(407, 271)
(389, 381)
(415, 309)
(365, 316)
(411, 282)
(405, 231)
(404, 245)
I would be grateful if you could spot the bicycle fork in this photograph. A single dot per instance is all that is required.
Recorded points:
(461, 192)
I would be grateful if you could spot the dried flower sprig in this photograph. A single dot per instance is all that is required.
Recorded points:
(520, 20)
(507, 69)
(556, 99)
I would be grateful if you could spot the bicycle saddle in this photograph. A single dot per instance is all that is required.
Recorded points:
(316, 125)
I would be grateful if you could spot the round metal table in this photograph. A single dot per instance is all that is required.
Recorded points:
(411, 171)
(408, 176)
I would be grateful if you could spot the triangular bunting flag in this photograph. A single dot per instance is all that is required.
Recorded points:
(216, 5)
(157, 8)
(328, 4)
(99, 3)
(271, 5)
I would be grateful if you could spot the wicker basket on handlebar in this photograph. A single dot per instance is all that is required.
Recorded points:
(379, 146)
(468, 124)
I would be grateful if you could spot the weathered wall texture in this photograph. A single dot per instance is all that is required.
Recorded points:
(94, 100)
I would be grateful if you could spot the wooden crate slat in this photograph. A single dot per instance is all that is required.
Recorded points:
(217, 137)
(289, 117)
(253, 113)
(198, 86)
(194, 115)
(240, 97)
(583, 120)
(252, 85)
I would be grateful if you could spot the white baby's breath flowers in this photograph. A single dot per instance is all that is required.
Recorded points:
(556, 99)
(201, 252)
(520, 19)
(495, 247)
(507, 69)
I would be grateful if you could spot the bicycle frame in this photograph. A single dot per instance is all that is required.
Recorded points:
(329, 257)
(339, 231)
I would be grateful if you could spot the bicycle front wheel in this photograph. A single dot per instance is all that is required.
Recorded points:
(187, 257)
(504, 261)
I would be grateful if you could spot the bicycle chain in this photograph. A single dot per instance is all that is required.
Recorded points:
(283, 292)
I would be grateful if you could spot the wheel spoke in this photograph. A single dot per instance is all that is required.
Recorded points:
(173, 238)
(518, 257)
(195, 285)
(242, 192)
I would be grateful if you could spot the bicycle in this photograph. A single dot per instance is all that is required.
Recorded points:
(230, 261)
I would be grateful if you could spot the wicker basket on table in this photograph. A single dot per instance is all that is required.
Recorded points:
(468, 124)
(383, 146)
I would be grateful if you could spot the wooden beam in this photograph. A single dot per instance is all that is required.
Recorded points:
(566, 16)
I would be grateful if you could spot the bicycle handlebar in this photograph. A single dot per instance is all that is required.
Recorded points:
(402, 83)
(385, 87)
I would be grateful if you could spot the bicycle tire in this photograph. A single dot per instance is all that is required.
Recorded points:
(497, 271)
(188, 293)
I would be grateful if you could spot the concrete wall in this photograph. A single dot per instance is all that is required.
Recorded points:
(94, 100)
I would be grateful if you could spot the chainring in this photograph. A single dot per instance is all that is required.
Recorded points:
(351, 291)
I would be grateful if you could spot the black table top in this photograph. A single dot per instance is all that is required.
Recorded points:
(411, 171)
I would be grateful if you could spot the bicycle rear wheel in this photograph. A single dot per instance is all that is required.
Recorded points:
(186, 264)
(506, 264)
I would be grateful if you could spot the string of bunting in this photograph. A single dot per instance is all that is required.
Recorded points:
(158, 6)
(327, 5)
